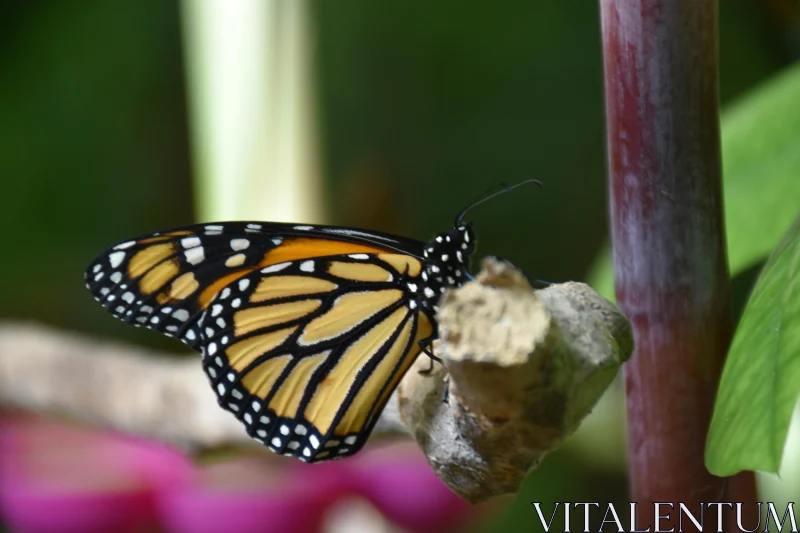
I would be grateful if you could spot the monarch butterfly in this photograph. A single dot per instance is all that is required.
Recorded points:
(305, 330)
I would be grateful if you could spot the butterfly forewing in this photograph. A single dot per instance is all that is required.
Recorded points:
(162, 281)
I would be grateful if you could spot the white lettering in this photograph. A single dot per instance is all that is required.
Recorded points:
(538, 507)
(772, 512)
(659, 517)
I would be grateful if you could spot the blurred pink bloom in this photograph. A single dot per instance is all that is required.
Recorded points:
(60, 478)
(399, 482)
(57, 478)
(249, 494)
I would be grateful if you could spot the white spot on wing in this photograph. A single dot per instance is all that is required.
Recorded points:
(274, 268)
(303, 228)
(195, 255)
(124, 245)
(239, 244)
(116, 259)
(190, 242)
(243, 284)
(358, 256)
(307, 266)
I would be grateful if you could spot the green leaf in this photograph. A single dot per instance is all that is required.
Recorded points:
(761, 158)
(761, 381)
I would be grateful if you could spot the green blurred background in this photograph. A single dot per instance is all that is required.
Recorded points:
(421, 108)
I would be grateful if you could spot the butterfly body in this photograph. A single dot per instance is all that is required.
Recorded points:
(305, 331)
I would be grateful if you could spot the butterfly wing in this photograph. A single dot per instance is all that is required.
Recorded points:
(307, 353)
(305, 330)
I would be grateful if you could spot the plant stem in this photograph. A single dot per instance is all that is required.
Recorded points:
(671, 273)
(251, 110)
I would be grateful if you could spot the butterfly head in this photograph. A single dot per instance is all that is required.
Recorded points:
(446, 262)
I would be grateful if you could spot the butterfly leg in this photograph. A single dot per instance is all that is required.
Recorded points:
(424, 344)
(446, 392)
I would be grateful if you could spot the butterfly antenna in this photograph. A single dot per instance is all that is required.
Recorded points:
(505, 189)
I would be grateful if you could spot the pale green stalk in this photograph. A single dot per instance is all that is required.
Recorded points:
(251, 111)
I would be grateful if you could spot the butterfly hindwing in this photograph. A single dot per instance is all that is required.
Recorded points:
(306, 353)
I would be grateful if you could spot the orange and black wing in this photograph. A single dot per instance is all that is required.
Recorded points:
(305, 331)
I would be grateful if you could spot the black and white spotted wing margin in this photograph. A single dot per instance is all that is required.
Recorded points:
(306, 354)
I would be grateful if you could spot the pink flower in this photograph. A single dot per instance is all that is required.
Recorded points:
(250, 494)
(56, 478)
(60, 478)
(399, 482)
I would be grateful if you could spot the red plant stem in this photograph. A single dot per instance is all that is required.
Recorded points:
(671, 272)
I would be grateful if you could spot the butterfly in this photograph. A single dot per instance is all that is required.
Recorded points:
(304, 330)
